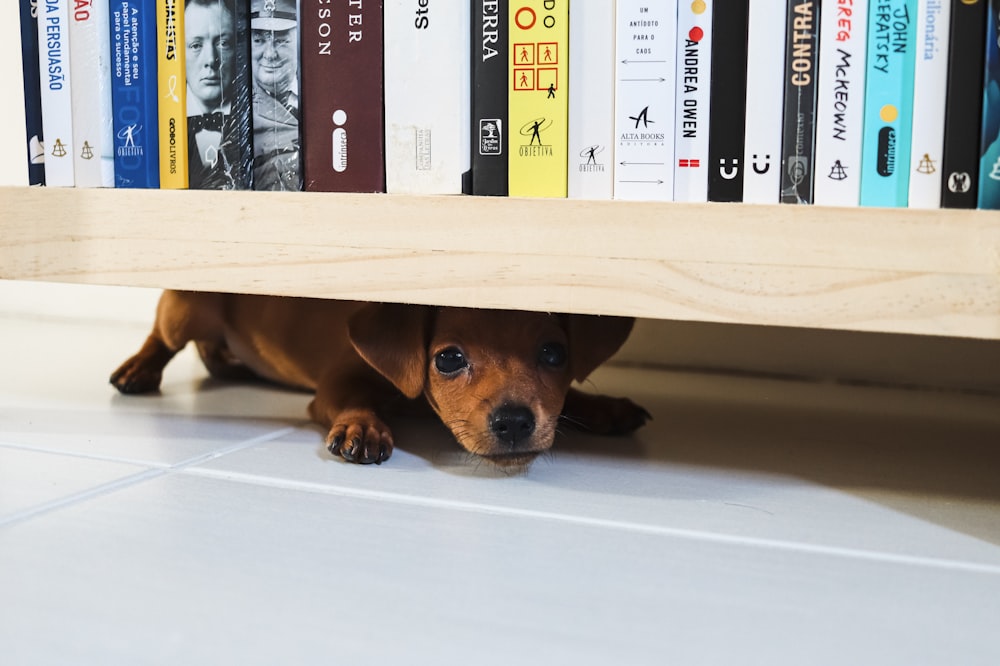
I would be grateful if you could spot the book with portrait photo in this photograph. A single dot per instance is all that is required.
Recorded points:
(217, 94)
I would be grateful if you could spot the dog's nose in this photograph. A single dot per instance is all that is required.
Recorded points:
(512, 424)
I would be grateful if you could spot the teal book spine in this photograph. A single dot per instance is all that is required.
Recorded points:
(989, 160)
(888, 109)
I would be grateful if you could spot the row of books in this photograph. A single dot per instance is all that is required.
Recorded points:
(834, 102)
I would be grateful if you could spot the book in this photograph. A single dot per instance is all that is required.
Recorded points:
(691, 115)
(134, 93)
(274, 48)
(90, 53)
(989, 164)
(56, 91)
(341, 109)
(217, 94)
(930, 81)
(798, 126)
(764, 105)
(427, 96)
(538, 102)
(645, 100)
(171, 108)
(888, 127)
(591, 100)
(840, 102)
(35, 150)
(963, 104)
(489, 130)
(728, 89)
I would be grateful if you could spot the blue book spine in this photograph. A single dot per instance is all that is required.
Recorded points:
(989, 161)
(134, 93)
(32, 93)
(888, 116)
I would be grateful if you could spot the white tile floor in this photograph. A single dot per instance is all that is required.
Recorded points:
(754, 521)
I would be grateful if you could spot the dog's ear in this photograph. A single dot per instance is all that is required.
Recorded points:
(392, 338)
(593, 340)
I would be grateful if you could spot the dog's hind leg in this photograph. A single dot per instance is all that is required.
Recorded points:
(221, 363)
(180, 318)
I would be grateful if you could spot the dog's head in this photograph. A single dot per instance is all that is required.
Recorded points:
(496, 378)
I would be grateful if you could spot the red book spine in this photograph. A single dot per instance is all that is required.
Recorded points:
(343, 138)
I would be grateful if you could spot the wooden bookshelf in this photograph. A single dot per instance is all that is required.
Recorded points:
(907, 271)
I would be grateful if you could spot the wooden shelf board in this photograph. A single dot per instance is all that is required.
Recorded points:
(909, 271)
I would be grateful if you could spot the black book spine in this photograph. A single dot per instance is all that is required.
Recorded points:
(798, 142)
(963, 104)
(489, 97)
(727, 112)
(32, 92)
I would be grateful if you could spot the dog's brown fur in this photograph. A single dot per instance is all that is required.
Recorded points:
(499, 380)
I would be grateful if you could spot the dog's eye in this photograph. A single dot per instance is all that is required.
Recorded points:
(552, 354)
(450, 361)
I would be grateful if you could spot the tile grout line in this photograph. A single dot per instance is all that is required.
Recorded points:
(153, 471)
(585, 521)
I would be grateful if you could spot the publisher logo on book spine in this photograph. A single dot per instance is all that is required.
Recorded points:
(589, 159)
(490, 136)
(339, 141)
(129, 147)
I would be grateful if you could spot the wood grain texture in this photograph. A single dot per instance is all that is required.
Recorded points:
(909, 271)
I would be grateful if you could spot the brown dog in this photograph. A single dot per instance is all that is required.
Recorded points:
(499, 380)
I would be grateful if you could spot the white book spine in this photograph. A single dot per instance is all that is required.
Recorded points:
(840, 103)
(90, 52)
(694, 70)
(645, 76)
(765, 95)
(929, 87)
(427, 96)
(57, 100)
(591, 99)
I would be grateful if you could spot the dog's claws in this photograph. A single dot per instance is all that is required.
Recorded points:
(362, 444)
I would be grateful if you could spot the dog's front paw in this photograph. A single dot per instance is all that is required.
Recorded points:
(360, 437)
(603, 414)
(137, 375)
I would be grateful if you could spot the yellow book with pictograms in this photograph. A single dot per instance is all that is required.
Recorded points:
(538, 105)
(171, 82)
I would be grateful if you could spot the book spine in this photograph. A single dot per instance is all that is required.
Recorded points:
(427, 96)
(929, 89)
(341, 109)
(691, 116)
(538, 105)
(56, 86)
(989, 164)
(171, 112)
(93, 162)
(963, 104)
(765, 90)
(134, 93)
(840, 102)
(217, 95)
(645, 98)
(888, 131)
(277, 141)
(798, 138)
(490, 129)
(727, 113)
(591, 100)
(32, 92)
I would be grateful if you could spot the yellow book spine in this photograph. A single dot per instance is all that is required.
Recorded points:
(538, 105)
(171, 85)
